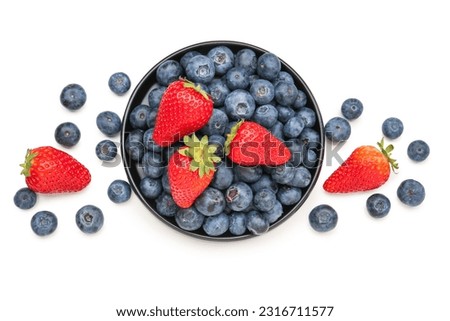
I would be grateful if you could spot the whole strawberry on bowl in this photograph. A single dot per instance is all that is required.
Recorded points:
(232, 144)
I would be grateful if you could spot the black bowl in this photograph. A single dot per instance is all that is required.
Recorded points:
(139, 96)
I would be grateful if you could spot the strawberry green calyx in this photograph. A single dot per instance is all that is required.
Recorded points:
(387, 153)
(201, 154)
(231, 136)
(27, 164)
(196, 87)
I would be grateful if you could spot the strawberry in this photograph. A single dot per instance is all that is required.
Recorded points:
(184, 108)
(50, 170)
(251, 144)
(365, 169)
(191, 169)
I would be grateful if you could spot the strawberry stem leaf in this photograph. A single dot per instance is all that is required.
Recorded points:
(26, 165)
(197, 87)
(387, 153)
(201, 154)
(231, 135)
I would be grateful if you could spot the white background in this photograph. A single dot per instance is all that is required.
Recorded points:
(392, 55)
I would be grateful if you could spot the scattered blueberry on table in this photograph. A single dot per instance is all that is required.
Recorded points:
(378, 205)
(67, 134)
(119, 83)
(44, 223)
(73, 96)
(89, 219)
(392, 127)
(25, 198)
(418, 150)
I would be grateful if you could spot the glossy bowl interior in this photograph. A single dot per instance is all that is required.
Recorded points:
(139, 96)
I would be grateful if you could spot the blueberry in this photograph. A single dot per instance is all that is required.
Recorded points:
(119, 83)
(223, 177)
(246, 58)
(154, 96)
(268, 66)
(275, 213)
(73, 96)
(262, 91)
(265, 182)
(187, 57)
(168, 71)
(106, 150)
(308, 115)
(286, 93)
(297, 150)
(67, 134)
(134, 145)
(392, 127)
(293, 127)
(216, 124)
(252, 78)
(165, 205)
(302, 177)
(239, 196)
(153, 164)
(151, 117)
(138, 116)
(283, 174)
(239, 104)
(149, 143)
(352, 108)
(288, 195)
(89, 219)
(310, 159)
(189, 219)
(119, 191)
(266, 115)
(44, 223)
(310, 138)
(25, 198)
(237, 78)
(218, 91)
(285, 113)
(237, 225)
(211, 202)
(418, 150)
(109, 123)
(164, 183)
(219, 142)
(283, 76)
(411, 192)
(323, 218)
(257, 224)
(248, 174)
(264, 200)
(277, 130)
(200, 69)
(216, 225)
(301, 100)
(378, 205)
(223, 59)
(150, 187)
(337, 129)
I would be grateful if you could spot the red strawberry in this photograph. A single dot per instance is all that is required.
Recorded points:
(184, 108)
(50, 170)
(251, 144)
(191, 169)
(366, 168)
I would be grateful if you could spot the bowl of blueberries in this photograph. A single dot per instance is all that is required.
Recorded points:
(246, 84)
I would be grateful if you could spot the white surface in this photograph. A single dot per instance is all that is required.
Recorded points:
(394, 56)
